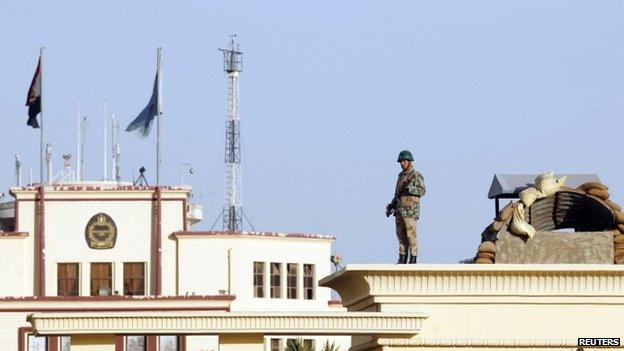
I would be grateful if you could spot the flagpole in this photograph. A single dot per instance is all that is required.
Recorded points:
(41, 151)
(158, 111)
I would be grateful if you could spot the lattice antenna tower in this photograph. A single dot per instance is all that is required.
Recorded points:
(233, 209)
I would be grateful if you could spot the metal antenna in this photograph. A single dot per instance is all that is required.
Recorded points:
(48, 158)
(105, 141)
(78, 138)
(18, 170)
(81, 160)
(116, 172)
(232, 210)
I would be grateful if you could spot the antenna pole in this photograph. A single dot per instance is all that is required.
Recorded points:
(116, 152)
(78, 156)
(158, 111)
(18, 170)
(41, 138)
(232, 211)
(105, 143)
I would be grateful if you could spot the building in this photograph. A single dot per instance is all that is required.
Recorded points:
(114, 247)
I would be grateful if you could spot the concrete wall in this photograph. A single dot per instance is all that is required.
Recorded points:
(12, 252)
(204, 268)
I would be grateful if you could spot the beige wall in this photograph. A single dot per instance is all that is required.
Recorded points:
(65, 238)
(65, 223)
(9, 324)
(93, 343)
(203, 267)
(490, 307)
(12, 265)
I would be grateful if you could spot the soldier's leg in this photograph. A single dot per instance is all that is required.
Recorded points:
(410, 229)
(401, 235)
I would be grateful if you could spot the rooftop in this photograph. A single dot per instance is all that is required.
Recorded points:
(509, 185)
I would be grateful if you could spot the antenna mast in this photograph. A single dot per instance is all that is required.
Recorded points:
(116, 150)
(233, 210)
(79, 137)
(105, 141)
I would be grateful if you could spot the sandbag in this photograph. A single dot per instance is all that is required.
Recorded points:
(620, 228)
(529, 195)
(505, 213)
(487, 255)
(487, 246)
(547, 184)
(615, 207)
(483, 260)
(603, 194)
(592, 185)
(618, 239)
(518, 225)
(619, 217)
(496, 226)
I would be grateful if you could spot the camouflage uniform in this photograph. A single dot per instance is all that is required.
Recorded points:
(406, 203)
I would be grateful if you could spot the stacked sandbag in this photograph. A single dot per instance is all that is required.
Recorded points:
(486, 253)
(618, 247)
(502, 218)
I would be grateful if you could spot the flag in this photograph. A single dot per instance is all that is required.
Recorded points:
(33, 100)
(143, 122)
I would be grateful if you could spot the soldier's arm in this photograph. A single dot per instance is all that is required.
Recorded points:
(417, 186)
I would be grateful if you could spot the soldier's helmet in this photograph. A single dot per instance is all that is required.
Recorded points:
(405, 155)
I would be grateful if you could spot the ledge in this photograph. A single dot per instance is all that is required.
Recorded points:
(13, 234)
(284, 323)
(365, 285)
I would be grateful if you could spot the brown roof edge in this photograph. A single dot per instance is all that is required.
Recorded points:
(13, 234)
(255, 234)
(121, 298)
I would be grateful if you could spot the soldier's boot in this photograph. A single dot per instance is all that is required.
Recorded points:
(412, 259)
(402, 259)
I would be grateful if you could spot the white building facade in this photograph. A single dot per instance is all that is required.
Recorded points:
(117, 247)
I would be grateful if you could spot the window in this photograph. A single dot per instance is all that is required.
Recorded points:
(308, 281)
(276, 280)
(291, 281)
(65, 343)
(258, 279)
(134, 278)
(101, 279)
(276, 345)
(168, 343)
(37, 343)
(67, 283)
(135, 343)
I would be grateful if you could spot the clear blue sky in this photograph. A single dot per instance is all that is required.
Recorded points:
(331, 91)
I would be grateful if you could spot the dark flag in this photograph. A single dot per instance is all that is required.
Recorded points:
(33, 100)
(143, 123)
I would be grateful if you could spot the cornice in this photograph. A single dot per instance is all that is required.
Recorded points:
(284, 323)
(357, 283)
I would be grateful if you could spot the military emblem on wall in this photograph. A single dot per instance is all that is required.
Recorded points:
(101, 232)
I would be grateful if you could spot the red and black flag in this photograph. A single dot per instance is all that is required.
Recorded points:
(33, 100)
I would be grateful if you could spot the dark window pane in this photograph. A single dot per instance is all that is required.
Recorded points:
(67, 283)
(258, 279)
(291, 281)
(101, 279)
(276, 280)
(134, 278)
(308, 281)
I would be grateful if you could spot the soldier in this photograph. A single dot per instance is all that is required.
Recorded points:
(406, 207)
